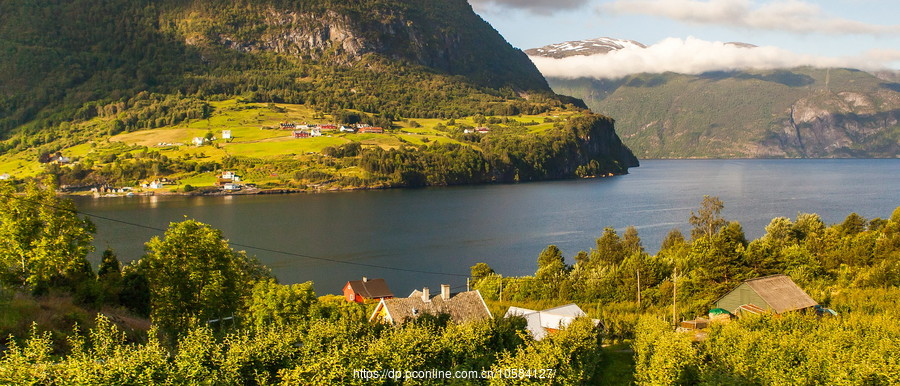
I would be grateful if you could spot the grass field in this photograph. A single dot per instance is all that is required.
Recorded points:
(256, 133)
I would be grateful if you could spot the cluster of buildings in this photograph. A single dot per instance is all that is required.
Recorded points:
(315, 130)
(460, 307)
(158, 183)
(774, 294)
(229, 181)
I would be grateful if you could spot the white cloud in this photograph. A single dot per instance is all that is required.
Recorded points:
(778, 15)
(696, 56)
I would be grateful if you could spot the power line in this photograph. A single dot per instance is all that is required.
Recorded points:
(247, 246)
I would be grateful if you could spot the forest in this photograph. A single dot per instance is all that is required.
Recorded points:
(217, 315)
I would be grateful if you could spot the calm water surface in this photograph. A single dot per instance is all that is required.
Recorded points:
(450, 229)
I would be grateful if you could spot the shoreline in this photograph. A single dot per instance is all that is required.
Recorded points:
(256, 191)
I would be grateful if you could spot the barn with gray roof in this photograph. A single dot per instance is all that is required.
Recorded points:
(776, 293)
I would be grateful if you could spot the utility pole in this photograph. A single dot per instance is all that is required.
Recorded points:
(467, 285)
(674, 290)
(639, 287)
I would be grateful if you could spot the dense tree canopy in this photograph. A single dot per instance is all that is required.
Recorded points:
(44, 241)
(194, 276)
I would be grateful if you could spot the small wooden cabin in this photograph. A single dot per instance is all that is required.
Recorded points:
(776, 293)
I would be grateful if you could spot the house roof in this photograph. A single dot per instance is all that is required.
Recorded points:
(552, 318)
(462, 307)
(371, 288)
(781, 293)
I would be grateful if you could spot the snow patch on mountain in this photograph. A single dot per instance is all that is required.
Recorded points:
(583, 47)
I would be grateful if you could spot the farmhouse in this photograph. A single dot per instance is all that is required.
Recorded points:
(541, 323)
(360, 290)
(462, 307)
(776, 293)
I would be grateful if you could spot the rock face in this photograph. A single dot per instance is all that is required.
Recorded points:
(842, 124)
(446, 36)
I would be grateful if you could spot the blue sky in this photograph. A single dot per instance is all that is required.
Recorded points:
(827, 31)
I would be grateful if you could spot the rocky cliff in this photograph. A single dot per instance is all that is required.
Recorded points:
(446, 36)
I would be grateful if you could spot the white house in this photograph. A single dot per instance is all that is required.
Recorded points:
(315, 132)
(4, 176)
(345, 129)
(226, 134)
(541, 323)
(198, 141)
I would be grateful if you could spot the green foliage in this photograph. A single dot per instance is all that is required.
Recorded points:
(109, 278)
(852, 349)
(273, 304)
(663, 357)
(194, 276)
(821, 259)
(45, 242)
(707, 221)
(509, 157)
(574, 354)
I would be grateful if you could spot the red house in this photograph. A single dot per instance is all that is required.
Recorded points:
(360, 290)
(301, 134)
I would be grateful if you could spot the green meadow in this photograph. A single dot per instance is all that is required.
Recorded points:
(256, 134)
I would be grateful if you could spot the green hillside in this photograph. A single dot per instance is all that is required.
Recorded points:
(100, 80)
(803, 112)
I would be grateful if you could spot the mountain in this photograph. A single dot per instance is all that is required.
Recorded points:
(799, 112)
(583, 47)
(108, 82)
(74, 52)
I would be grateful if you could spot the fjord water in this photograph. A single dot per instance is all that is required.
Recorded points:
(450, 229)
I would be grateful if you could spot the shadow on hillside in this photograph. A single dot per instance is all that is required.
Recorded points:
(784, 77)
(895, 87)
(647, 81)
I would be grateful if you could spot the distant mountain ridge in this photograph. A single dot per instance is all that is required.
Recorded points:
(800, 112)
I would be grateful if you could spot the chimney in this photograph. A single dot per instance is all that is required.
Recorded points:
(426, 297)
(445, 291)
(365, 279)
